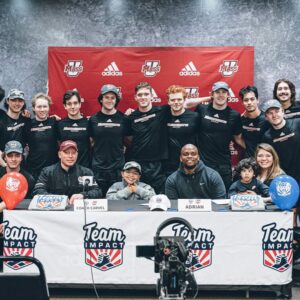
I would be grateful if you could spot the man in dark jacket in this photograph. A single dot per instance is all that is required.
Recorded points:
(194, 180)
(68, 178)
(13, 156)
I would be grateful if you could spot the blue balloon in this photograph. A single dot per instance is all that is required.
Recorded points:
(284, 191)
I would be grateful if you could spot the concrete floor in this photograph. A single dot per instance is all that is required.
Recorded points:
(150, 295)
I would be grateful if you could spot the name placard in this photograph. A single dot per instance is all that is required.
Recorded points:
(194, 205)
(247, 202)
(91, 205)
(48, 202)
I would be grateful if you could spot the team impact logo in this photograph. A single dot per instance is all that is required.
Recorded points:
(18, 241)
(201, 255)
(103, 246)
(229, 67)
(73, 68)
(151, 68)
(277, 247)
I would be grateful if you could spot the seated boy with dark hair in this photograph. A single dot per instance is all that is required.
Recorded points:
(130, 188)
(246, 171)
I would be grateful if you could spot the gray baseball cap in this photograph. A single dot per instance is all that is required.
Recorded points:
(16, 94)
(13, 146)
(132, 164)
(109, 88)
(220, 85)
(270, 104)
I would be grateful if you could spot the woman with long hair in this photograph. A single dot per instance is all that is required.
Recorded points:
(268, 162)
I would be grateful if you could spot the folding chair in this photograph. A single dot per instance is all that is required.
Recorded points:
(23, 286)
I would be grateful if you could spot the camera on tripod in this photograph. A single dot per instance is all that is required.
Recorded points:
(172, 258)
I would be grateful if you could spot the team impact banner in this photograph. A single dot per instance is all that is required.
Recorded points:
(196, 68)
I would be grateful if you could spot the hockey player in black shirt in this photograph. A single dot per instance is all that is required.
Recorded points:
(182, 126)
(75, 127)
(219, 124)
(149, 137)
(285, 92)
(41, 136)
(284, 136)
(253, 120)
(13, 124)
(108, 128)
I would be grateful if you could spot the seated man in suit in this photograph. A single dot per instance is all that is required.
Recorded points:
(67, 177)
(194, 180)
(130, 188)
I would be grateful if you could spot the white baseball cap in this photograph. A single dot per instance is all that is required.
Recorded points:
(159, 203)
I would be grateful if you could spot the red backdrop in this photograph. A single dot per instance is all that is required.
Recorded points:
(196, 68)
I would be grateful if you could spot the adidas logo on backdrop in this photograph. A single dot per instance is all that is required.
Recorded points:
(112, 70)
(189, 70)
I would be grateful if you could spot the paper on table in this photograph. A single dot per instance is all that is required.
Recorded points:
(221, 201)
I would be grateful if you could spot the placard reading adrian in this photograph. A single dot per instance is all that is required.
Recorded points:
(194, 205)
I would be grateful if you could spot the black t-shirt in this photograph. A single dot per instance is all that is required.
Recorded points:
(149, 134)
(182, 130)
(12, 129)
(108, 132)
(77, 131)
(293, 111)
(286, 142)
(42, 141)
(216, 131)
(253, 130)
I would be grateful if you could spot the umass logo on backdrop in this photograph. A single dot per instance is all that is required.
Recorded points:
(192, 92)
(201, 255)
(277, 247)
(151, 68)
(229, 67)
(18, 241)
(103, 246)
(73, 68)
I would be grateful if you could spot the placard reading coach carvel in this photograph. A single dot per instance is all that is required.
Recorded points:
(195, 68)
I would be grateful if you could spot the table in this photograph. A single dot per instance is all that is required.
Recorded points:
(233, 248)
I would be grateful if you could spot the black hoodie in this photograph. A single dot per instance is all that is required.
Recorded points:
(203, 183)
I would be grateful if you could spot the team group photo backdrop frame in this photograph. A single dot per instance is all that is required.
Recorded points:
(196, 68)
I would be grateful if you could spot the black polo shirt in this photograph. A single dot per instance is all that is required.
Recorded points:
(12, 129)
(253, 130)
(42, 141)
(182, 130)
(217, 129)
(149, 134)
(293, 111)
(77, 131)
(286, 142)
(108, 132)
